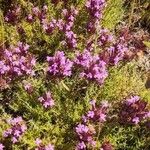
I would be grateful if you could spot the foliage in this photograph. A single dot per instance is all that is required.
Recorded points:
(59, 65)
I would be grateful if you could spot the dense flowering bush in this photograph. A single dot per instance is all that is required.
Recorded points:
(55, 55)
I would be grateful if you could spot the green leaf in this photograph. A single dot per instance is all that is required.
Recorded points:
(147, 43)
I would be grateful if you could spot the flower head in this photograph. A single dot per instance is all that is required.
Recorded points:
(47, 100)
(59, 65)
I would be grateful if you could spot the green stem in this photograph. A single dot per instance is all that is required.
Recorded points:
(132, 13)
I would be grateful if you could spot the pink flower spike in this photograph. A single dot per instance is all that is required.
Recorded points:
(38, 141)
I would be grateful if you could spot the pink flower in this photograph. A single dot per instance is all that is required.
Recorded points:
(47, 100)
(90, 114)
(14, 140)
(102, 117)
(136, 120)
(59, 65)
(81, 146)
(16, 130)
(132, 100)
(1, 146)
(91, 67)
(38, 141)
(147, 115)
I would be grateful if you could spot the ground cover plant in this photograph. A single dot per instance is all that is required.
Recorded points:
(74, 75)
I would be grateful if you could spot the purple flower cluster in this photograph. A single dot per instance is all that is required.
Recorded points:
(92, 67)
(133, 111)
(86, 132)
(47, 100)
(64, 25)
(71, 41)
(49, 27)
(95, 8)
(37, 13)
(59, 65)
(97, 114)
(113, 49)
(16, 61)
(115, 53)
(41, 146)
(16, 130)
(13, 14)
(105, 38)
(69, 17)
